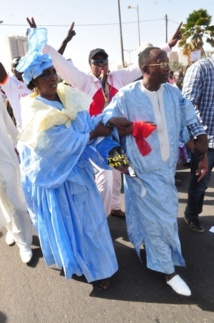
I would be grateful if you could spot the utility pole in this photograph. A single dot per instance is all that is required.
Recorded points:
(138, 20)
(121, 35)
(166, 21)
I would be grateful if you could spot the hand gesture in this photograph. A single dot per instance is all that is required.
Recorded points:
(71, 33)
(31, 22)
(176, 37)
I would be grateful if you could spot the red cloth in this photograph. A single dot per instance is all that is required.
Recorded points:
(98, 102)
(142, 130)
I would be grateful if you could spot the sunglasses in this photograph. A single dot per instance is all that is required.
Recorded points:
(97, 61)
(163, 65)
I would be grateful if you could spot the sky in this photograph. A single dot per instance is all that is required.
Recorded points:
(97, 24)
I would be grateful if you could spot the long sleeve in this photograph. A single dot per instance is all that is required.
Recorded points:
(11, 129)
(192, 85)
(68, 71)
(83, 81)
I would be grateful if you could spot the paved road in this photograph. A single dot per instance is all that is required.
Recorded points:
(35, 293)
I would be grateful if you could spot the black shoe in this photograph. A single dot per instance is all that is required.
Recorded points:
(118, 213)
(194, 224)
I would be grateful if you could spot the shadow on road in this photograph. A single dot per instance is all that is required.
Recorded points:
(135, 283)
(3, 317)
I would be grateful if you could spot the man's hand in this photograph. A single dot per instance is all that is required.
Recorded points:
(125, 131)
(100, 131)
(71, 33)
(120, 122)
(202, 168)
(124, 126)
(201, 146)
(176, 37)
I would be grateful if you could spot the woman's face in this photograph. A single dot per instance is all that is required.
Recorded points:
(47, 82)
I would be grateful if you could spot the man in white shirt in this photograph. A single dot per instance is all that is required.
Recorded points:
(14, 88)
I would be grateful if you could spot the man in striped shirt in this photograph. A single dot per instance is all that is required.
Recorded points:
(198, 88)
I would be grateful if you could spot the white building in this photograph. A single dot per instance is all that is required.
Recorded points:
(178, 56)
(11, 47)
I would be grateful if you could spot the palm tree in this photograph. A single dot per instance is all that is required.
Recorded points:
(197, 30)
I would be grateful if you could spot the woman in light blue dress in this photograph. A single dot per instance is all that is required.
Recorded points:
(56, 150)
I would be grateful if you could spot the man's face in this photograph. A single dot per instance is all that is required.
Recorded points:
(99, 65)
(158, 68)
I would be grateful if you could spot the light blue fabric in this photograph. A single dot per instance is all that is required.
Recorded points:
(34, 62)
(151, 200)
(63, 200)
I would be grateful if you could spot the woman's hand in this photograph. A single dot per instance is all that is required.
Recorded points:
(100, 131)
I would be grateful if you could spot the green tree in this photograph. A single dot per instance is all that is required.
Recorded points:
(196, 31)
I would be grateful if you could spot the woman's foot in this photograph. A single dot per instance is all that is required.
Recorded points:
(104, 283)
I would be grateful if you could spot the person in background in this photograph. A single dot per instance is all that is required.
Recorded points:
(171, 78)
(56, 146)
(178, 77)
(151, 199)
(198, 88)
(14, 89)
(101, 85)
(183, 151)
(13, 210)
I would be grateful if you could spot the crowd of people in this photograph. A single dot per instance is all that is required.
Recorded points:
(67, 189)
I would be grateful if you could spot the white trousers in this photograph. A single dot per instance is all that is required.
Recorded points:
(21, 228)
(109, 185)
(13, 205)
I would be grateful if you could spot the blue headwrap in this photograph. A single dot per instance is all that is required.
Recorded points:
(34, 62)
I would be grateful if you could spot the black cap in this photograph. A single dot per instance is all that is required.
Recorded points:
(96, 51)
(15, 61)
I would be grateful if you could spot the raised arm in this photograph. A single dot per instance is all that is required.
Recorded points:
(65, 69)
(176, 37)
(70, 35)
(31, 22)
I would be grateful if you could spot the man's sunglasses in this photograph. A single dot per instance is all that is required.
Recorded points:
(97, 61)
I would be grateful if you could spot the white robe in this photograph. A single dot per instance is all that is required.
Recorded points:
(13, 209)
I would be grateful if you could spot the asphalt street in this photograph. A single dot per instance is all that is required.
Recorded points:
(37, 293)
